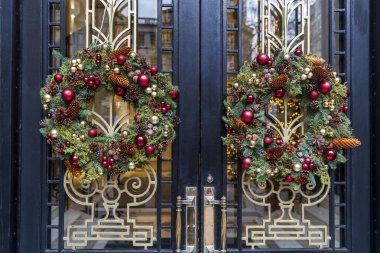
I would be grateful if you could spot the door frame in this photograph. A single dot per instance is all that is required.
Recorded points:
(22, 72)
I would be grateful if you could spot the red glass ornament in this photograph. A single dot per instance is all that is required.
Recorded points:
(140, 140)
(149, 150)
(174, 94)
(98, 56)
(269, 63)
(109, 167)
(137, 117)
(298, 52)
(98, 62)
(307, 160)
(68, 95)
(153, 70)
(305, 166)
(279, 141)
(164, 110)
(313, 95)
(121, 59)
(91, 77)
(247, 116)
(92, 132)
(262, 59)
(49, 115)
(119, 91)
(68, 144)
(246, 162)
(325, 87)
(311, 166)
(74, 159)
(168, 106)
(85, 80)
(112, 161)
(162, 103)
(330, 154)
(58, 78)
(279, 93)
(104, 164)
(75, 164)
(343, 108)
(289, 178)
(144, 80)
(267, 140)
(230, 130)
(105, 158)
(250, 98)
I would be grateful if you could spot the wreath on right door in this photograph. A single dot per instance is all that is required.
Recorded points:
(301, 156)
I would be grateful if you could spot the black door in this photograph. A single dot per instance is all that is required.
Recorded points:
(199, 198)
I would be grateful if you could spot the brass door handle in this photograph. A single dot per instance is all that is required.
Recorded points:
(190, 205)
(208, 222)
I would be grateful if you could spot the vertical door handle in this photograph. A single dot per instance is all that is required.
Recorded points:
(208, 223)
(189, 203)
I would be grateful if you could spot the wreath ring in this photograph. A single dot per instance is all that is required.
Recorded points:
(66, 98)
(296, 157)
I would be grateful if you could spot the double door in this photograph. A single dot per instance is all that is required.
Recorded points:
(195, 198)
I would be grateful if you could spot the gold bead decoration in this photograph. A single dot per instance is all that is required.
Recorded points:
(79, 61)
(332, 108)
(77, 139)
(250, 81)
(252, 144)
(166, 134)
(325, 104)
(286, 57)
(334, 74)
(330, 134)
(131, 166)
(303, 77)
(337, 80)
(254, 76)
(74, 136)
(132, 54)
(166, 127)
(307, 70)
(310, 75)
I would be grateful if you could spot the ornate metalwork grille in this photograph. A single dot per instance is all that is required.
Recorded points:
(134, 211)
(262, 217)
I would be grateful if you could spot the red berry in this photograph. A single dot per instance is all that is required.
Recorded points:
(74, 159)
(279, 93)
(162, 103)
(149, 150)
(49, 115)
(91, 77)
(168, 106)
(153, 70)
(269, 63)
(112, 161)
(289, 178)
(305, 166)
(298, 52)
(279, 141)
(164, 110)
(109, 167)
(174, 94)
(85, 79)
(137, 117)
(330, 154)
(104, 164)
(307, 160)
(250, 98)
(119, 91)
(311, 166)
(105, 158)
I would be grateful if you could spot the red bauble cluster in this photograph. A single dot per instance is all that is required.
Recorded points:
(246, 162)
(173, 94)
(343, 108)
(153, 70)
(107, 162)
(165, 107)
(91, 82)
(74, 160)
(144, 80)
(68, 95)
(247, 116)
(279, 141)
(140, 140)
(98, 59)
(267, 140)
(120, 91)
(308, 164)
(298, 52)
(325, 87)
(92, 132)
(149, 150)
(58, 78)
(231, 130)
(121, 59)
(330, 154)
(250, 98)
(279, 93)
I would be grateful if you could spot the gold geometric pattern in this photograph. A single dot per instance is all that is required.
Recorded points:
(134, 188)
(285, 225)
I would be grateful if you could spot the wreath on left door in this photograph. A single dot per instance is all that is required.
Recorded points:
(87, 152)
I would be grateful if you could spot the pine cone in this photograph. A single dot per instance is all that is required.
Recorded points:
(132, 94)
(274, 153)
(254, 65)
(322, 73)
(119, 80)
(279, 81)
(315, 105)
(315, 60)
(239, 124)
(73, 110)
(336, 119)
(265, 80)
(341, 143)
(310, 87)
(176, 120)
(120, 51)
(302, 179)
(161, 147)
(127, 67)
(140, 128)
(284, 67)
(115, 171)
(154, 105)
(70, 167)
(127, 149)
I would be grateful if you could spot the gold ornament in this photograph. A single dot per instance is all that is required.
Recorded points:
(254, 76)
(155, 120)
(166, 134)
(148, 90)
(74, 136)
(166, 127)
(45, 106)
(82, 137)
(250, 81)
(80, 67)
(131, 166)
(236, 85)
(307, 70)
(54, 133)
(154, 87)
(286, 57)
(297, 167)
(133, 54)
(105, 46)
(154, 94)
(47, 98)
(79, 61)
(322, 131)
(310, 75)
(325, 104)
(107, 68)
(332, 108)
(337, 80)
(116, 70)
(83, 124)
(74, 63)
(330, 134)
(258, 170)
(303, 77)
(252, 144)
(125, 133)
(268, 171)
(77, 139)
(73, 69)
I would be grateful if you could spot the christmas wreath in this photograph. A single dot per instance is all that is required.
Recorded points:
(264, 152)
(68, 94)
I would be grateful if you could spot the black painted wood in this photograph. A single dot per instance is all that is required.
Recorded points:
(9, 85)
